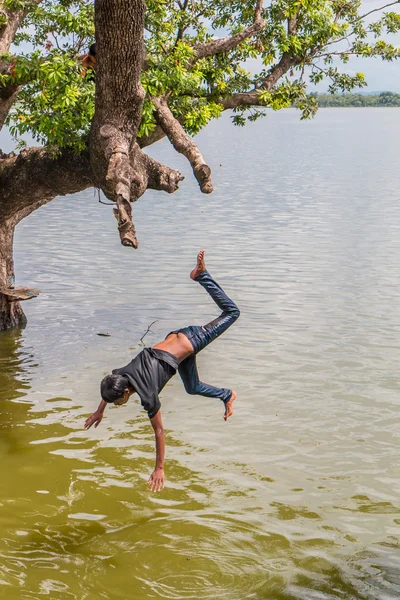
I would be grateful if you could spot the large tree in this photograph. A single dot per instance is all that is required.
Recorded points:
(163, 69)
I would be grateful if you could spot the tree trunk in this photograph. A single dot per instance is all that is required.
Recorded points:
(11, 313)
(28, 181)
(119, 94)
(119, 101)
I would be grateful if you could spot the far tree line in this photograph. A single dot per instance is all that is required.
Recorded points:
(345, 100)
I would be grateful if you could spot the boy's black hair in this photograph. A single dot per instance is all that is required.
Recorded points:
(113, 387)
(92, 49)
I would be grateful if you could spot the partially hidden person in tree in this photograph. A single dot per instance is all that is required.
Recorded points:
(89, 62)
(153, 367)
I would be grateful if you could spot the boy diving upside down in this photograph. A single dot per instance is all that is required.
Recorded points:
(153, 367)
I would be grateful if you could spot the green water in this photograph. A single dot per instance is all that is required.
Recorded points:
(297, 496)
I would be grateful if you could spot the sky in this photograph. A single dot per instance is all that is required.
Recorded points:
(380, 75)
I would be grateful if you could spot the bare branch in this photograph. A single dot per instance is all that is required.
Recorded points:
(183, 144)
(118, 108)
(228, 43)
(119, 166)
(378, 9)
(148, 330)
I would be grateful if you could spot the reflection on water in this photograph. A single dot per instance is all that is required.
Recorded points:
(297, 497)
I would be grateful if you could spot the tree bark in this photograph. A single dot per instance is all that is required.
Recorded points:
(253, 98)
(12, 20)
(225, 44)
(11, 313)
(8, 95)
(33, 178)
(119, 100)
(119, 166)
(183, 144)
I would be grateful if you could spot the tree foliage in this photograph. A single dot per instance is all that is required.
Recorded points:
(315, 38)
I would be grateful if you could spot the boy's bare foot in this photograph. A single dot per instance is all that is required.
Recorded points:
(200, 266)
(229, 407)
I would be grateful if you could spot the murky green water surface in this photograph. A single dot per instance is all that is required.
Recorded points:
(297, 497)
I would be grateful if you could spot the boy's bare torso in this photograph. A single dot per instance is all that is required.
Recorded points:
(176, 344)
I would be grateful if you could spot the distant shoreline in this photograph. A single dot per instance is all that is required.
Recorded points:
(381, 100)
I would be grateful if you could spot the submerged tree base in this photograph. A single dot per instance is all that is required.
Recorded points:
(11, 315)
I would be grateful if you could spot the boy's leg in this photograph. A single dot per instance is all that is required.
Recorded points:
(190, 377)
(202, 336)
(230, 312)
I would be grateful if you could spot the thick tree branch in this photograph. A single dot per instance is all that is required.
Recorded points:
(160, 177)
(8, 95)
(252, 98)
(147, 173)
(228, 43)
(33, 178)
(13, 19)
(183, 144)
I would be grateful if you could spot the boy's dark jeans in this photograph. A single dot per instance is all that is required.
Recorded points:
(200, 337)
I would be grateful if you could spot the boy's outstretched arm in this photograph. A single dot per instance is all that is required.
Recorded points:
(156, 481)
(97, 416)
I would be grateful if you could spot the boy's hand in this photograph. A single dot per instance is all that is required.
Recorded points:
(94, 419)
(156, 481)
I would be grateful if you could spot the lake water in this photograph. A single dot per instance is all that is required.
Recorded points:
(298, 495)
